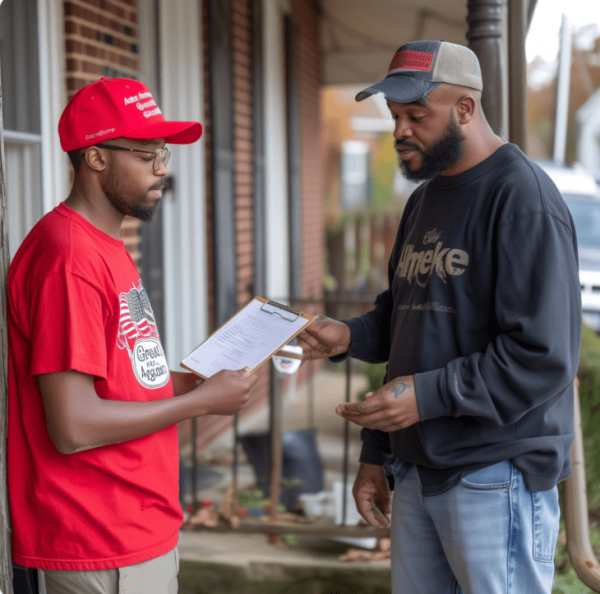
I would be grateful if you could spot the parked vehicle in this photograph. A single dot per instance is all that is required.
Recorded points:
(582, 195)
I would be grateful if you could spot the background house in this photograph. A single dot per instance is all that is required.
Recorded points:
(243, 212)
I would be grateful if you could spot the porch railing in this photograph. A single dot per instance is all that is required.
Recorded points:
(345, 306)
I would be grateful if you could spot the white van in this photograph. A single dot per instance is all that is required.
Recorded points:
(582, 195)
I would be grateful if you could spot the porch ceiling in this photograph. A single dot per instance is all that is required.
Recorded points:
(359, 37)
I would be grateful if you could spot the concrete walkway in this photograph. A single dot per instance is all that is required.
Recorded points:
(246, 564)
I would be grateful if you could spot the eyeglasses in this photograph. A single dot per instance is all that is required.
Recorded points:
(164, 154)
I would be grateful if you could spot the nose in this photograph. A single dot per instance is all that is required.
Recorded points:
(160, 167)
(402, 128)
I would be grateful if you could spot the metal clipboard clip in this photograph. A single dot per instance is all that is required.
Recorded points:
(289, 314)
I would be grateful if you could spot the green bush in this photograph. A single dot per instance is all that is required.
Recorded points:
(589, 396)
(375, 373)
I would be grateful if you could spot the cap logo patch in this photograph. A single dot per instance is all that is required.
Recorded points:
(100, 133)
(408, 60)
(137, 97)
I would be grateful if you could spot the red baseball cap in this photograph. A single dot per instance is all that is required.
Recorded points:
(118, 108)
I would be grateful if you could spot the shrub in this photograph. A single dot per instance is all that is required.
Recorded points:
(375, 373)
(589, 397)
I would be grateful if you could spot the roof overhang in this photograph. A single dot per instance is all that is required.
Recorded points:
(359, 38)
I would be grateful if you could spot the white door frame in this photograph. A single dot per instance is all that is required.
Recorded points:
(277, 271)
(184, 209)
(53, 98)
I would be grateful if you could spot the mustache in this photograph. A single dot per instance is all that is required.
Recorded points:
(399, 145)
(157, 186)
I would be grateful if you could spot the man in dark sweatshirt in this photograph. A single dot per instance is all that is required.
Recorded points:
(480, 327)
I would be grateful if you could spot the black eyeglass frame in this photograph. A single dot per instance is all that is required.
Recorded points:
(164, 153)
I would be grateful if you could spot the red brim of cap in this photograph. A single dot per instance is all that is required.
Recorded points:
(172, 132)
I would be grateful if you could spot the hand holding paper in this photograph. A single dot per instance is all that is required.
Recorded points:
(325, 338)
(226, 392)
(248, 339)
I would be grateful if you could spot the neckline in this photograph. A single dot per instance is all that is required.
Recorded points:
(68, 212)
(453, 181)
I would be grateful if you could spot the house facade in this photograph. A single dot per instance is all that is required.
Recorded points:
(242, 212)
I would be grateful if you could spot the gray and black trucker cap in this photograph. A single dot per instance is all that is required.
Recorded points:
(419, 67)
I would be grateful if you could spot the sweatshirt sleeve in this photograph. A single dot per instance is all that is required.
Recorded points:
(538, 313)
(370, 332)
(376, 448)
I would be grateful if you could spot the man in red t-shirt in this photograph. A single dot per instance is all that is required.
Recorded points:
(92, 434)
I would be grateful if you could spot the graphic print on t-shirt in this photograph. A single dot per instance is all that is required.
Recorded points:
(420, 266)
(139, 335)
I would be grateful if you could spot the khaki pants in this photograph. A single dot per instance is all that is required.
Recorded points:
(157, 576)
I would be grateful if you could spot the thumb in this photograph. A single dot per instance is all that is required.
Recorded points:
(370, 395)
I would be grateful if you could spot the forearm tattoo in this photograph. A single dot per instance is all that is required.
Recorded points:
(399, 387)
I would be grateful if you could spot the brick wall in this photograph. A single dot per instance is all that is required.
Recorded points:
(306, 16)
(101, 39)
(242, 113)
(305, 13)
(241, 16)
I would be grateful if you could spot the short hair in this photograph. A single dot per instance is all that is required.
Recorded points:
(76, 158)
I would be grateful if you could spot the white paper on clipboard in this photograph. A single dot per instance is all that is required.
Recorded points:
(247, 339)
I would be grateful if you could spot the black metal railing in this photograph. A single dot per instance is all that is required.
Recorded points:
(342, 306)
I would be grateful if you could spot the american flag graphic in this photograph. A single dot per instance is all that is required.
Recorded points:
(136, 318)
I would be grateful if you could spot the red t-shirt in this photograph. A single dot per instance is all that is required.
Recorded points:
(75, 302)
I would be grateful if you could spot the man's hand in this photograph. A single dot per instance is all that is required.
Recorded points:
(324, 338)
(372, 495)
(390, 408)
(226, 392)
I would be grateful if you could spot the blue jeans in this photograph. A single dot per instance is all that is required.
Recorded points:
(487, 535)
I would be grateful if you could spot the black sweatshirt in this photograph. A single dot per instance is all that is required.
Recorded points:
(484, 308)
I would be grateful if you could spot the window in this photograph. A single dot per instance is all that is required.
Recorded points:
(19, 52)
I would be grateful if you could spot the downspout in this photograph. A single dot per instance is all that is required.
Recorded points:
(518, 15)
(576, 516)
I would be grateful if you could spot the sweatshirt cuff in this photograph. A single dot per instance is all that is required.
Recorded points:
(430, 388)
(371, 454)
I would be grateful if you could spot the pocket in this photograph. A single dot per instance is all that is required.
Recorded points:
(497, 476)
(546, 516)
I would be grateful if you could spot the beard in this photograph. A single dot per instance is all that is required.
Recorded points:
(136, 207)
(437, 158)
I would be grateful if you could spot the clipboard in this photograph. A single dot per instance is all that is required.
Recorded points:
(248, 339)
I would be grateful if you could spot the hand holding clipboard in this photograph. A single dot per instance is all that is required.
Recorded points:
(248, 339)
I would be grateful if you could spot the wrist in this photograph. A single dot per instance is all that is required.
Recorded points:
(346, 339)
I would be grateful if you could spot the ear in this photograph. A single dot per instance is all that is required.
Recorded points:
(95, 159)
(465, 109)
